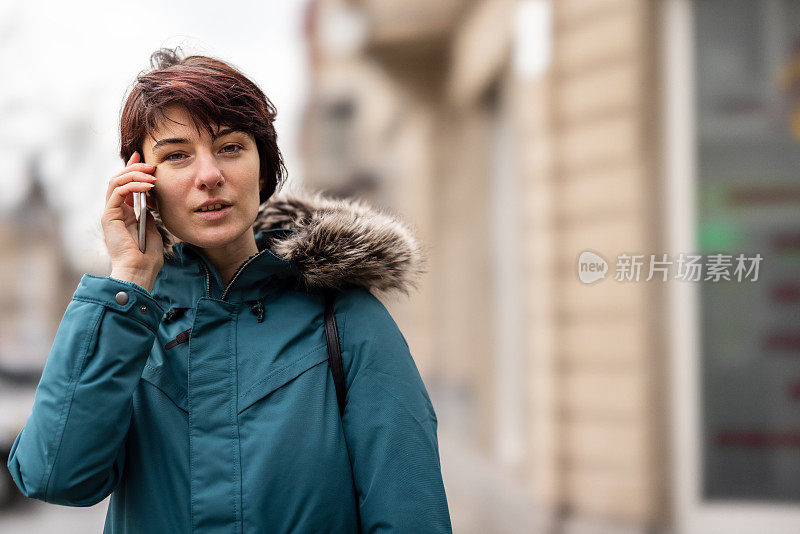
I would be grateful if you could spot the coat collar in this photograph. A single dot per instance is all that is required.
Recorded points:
(313, 241)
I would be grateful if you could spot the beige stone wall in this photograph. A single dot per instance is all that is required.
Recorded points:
(533, 102)
(596, 349)
(463, 279)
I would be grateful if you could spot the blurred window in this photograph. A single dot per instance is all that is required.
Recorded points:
(338, 133)
(747, 72)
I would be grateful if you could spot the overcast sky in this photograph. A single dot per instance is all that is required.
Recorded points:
(68, 65)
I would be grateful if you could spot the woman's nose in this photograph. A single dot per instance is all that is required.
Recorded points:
(208, 172)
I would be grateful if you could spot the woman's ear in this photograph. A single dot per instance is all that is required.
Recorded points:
(152, 203)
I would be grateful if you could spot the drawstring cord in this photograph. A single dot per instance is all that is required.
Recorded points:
(257, 308)
(173, 313)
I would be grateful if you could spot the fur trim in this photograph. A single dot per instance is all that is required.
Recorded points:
(337, 242)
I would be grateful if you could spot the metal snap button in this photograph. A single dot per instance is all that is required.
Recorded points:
(143, 308)
(121, 298)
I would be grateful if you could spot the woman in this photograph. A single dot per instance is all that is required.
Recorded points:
(192, 384)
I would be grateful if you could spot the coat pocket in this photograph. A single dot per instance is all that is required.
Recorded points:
(279, 377)
(167, 365)
(159, 376)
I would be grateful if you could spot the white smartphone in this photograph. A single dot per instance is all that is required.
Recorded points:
(140, 205)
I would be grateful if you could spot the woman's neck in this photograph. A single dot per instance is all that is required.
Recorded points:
(227, 259)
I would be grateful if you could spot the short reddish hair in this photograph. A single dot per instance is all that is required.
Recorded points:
(213, 92)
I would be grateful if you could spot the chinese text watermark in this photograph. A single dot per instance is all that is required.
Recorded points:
(686, 267)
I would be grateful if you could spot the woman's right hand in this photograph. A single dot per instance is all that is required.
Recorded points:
(121, 229)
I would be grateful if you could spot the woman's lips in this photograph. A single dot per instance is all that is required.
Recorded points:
(214, 215)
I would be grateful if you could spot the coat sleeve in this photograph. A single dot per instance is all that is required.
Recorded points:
(389, 424)
(71, 450)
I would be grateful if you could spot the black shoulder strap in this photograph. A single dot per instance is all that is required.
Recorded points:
(337, 370)
(334, 349)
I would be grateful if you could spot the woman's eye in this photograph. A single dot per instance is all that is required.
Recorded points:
(231, 151)
(235, 149)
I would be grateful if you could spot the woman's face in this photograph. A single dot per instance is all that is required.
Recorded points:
(194, 169)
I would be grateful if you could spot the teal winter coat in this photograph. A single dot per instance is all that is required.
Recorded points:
(208, 409)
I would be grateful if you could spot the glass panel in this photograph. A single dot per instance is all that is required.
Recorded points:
(748, 109)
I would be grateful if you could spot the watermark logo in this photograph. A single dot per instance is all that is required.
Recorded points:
(591, 267)
(686, 267)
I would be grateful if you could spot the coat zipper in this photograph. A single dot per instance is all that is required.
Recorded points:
(232, 280)
(208, 279)
(238, 272)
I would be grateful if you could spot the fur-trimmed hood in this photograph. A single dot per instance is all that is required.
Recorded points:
(336, 242)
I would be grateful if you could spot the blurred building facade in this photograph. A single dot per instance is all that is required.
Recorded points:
(36, 279)
(514, 143)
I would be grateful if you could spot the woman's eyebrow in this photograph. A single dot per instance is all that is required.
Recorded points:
(182, 140)
(170, 141)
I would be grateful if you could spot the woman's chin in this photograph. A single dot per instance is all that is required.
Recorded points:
(213, 242)
(212, 235)
(215, 237)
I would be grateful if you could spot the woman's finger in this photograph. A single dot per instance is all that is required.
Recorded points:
(135, 167)
(133, 163)
(144, 167)
(119, 194)
(128, 177)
